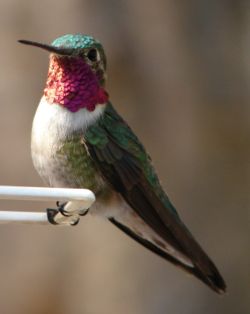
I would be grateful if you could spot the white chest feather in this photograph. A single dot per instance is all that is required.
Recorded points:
(54, 121)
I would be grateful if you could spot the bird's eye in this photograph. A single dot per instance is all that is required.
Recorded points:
(92, 55)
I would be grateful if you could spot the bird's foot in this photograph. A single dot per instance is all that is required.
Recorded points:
(52, 213)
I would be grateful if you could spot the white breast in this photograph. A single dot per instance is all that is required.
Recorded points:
(54, 120)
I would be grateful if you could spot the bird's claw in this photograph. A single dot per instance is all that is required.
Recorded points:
(60, 208)
(75, 222)
(51, 213)
(84, 212)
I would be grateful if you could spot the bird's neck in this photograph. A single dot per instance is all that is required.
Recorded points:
(54, 123)
(71, 83)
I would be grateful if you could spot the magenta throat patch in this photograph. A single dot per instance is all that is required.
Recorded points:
(72, 84)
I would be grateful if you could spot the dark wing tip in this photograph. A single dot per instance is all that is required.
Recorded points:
(214, 280)
(217, 283)
(210, 276)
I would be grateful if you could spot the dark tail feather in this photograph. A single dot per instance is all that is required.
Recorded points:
(213, 279)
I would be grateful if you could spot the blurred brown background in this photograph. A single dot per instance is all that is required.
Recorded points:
(179, 73)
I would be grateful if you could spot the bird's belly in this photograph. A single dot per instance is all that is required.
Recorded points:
(66, 164)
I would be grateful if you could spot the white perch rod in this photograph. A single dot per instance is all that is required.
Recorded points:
(23, 217)
(45, 194)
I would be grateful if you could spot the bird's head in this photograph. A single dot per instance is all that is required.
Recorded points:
(77, 72)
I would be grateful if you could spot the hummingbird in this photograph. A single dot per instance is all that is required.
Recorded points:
(80, 141)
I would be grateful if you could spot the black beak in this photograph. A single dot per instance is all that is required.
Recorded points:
(58, 50)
